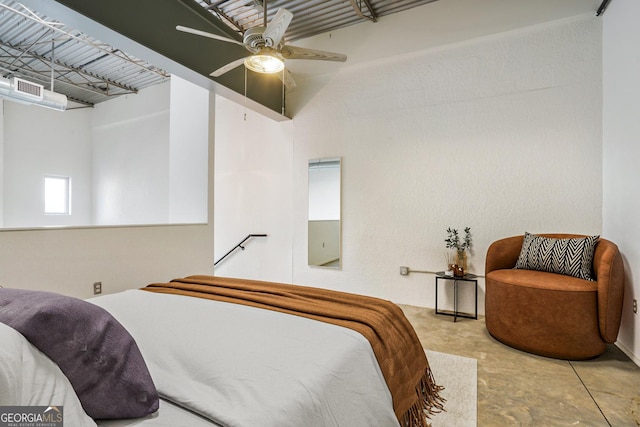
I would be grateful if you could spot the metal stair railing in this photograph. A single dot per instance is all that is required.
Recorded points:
(239, 245)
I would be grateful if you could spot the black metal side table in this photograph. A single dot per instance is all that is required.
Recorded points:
(440, 275)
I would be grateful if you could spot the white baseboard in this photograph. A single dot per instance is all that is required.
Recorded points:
(628, 352)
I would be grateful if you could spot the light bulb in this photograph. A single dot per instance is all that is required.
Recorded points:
(264, 63)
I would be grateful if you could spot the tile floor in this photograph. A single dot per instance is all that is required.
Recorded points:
(520, 389)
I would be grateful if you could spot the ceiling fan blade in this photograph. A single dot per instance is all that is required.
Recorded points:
(277, 27)
(230, 66)
(205, 34)
(287, 79)
(293, 52)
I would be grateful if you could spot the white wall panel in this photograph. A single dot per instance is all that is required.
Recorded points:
(130, 137)
(188, 152)
(253, 190)
(38, 142)
(621, 154)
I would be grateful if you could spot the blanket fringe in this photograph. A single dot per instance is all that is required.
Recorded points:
(429, 402)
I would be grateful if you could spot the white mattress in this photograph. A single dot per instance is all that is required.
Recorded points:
(242, 366)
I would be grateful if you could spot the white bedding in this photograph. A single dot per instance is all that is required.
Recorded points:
(169, 415)
(29, 378)
(243, 366)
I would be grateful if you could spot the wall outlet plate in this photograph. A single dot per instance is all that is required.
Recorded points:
(635, 306)
(97, 288)
(404, 271)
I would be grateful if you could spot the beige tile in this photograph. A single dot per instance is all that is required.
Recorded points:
(518, 388)
(614, 384)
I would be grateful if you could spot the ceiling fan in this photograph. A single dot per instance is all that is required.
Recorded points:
(267, 47)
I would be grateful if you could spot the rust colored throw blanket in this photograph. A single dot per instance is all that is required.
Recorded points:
(396, 346)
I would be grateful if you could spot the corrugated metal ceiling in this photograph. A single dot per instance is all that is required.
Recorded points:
(86, 70)
(310, 17)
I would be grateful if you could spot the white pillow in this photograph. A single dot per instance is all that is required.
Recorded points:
(29, 378)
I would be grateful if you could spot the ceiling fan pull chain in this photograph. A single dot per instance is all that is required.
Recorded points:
(264, 13)
(245, 94)
(53, 49)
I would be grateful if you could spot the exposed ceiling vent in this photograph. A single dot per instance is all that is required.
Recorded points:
(28, 89)
(26, 92)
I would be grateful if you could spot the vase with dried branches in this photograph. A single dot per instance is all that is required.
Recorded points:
(460, 245)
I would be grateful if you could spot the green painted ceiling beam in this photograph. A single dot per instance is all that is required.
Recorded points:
(152, 23)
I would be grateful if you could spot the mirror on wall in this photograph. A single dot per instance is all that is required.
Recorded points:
(324, 212)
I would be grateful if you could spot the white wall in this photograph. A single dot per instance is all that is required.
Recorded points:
(70, 260)
(37, 142)
(130, 137)
(253, 188)
(150, 156)
(621, 69)
(137, 159)
(499, 133)
(188, 152)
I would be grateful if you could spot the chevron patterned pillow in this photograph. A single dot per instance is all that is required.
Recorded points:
(572, 257)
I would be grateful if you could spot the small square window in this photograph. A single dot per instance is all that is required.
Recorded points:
(57, 195)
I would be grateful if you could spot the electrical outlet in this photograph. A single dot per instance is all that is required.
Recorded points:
(635, 306)
(404, 271)
(97, 288)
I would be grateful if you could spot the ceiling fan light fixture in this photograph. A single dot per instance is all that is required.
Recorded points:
(268, 48)
(264, 63)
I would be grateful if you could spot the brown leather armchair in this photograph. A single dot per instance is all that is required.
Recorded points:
(551, 314)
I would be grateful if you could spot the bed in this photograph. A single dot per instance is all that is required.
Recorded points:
(211, 351)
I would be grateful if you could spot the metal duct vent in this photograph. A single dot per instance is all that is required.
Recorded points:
(27, 88)
(26, 92)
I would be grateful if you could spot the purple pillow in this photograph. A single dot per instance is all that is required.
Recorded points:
(97, 354)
